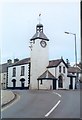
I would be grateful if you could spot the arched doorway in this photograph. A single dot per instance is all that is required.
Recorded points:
(60, 81)
(14, 83)
(22, 82)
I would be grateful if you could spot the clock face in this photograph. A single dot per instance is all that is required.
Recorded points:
(43, 44)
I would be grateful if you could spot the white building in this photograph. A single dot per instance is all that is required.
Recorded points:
(77, 72)
(37, 72)
(3, 74)
(39, 55)
(45, 74)
(56, 76)
(19, 74)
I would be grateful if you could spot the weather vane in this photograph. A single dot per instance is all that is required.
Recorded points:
(39, 18)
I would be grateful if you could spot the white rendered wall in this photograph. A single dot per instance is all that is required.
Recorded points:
(55, 72)
(57, 69)
(18, 76)
(65, 78)
(10, 84)
(73, 83)
(39, 62)
(45, 84)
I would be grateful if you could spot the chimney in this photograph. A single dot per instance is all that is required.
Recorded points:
(9, 61)
(61, 57)
(68, 63)
(16, 60)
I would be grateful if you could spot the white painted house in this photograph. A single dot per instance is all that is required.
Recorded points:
(3, 73)
(19, 74)
(59, 77)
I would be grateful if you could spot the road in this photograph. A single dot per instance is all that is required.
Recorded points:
(42, 104)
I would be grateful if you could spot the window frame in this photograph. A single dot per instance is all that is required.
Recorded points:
(64, 70)
(14, 72)
(59, 69)
(22, 71)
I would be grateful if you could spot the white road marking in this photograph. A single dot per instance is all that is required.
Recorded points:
(52, 109)
(57, 94)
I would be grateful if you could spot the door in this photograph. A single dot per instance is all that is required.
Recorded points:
(71, 83)
(54, 84)
(60, 82)
(22, 84)
(14, 83)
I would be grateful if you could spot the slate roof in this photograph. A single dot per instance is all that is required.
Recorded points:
(71, 75)
(46, 75)
(21, 62)
(39, 25)
(55, 63)
(3, 68)
(39, 35)
(73, 70)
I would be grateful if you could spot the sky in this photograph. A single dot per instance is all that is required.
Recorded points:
(18, 25)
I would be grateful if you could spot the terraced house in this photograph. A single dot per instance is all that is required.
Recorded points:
(19, 74)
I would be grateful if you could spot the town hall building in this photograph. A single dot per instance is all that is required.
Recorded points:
(37, 72)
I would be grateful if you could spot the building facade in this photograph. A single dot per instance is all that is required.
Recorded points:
(3, 73)
(19, 75)
(60, 78)
(47, 74)
(39, 55)
(37, 72)
(3, 77)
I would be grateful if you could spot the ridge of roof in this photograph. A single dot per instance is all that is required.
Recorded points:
(21, 62)
(46, 75)
(73, 70)
(55, 63)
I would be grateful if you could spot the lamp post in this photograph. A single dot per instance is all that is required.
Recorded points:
(75, 52)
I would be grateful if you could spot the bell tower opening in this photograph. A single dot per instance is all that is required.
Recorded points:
(39, 28)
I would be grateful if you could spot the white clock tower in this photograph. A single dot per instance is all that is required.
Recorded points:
(39, 55)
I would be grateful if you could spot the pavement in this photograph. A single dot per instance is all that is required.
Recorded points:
(6, 97)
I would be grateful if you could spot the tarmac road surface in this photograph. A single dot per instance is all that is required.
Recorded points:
(45, 104)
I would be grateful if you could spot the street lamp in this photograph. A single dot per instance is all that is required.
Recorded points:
(75, 52)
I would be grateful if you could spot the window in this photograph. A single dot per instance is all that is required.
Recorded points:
(22, 70)
(63, 69)
(14, 72)
(60, 69)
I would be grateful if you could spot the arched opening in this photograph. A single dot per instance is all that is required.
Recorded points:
(60, 81)
(22, 82)
(14, 83)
